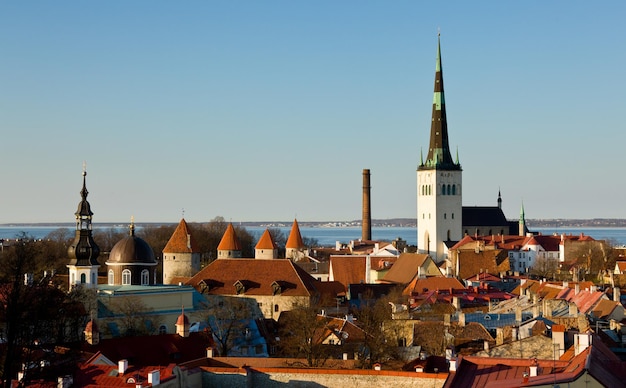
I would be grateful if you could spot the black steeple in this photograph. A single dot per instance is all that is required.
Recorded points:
(439, 156)
(84, 251)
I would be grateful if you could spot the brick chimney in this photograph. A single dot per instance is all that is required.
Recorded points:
(366, 223)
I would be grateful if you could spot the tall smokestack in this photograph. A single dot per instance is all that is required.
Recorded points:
(367, 207)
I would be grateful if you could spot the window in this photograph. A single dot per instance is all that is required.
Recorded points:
(275, 308)
(453, 189)
(444, 216)
(145, 277)
(448, 190)
(452, 215)
(111, 277)
(83, 278)
(126, 277)
(162, 329)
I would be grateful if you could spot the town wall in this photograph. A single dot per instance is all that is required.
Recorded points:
(317, 378)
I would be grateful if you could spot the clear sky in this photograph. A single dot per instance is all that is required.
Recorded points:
(270, 110)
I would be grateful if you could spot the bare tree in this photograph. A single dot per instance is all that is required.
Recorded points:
(544, 267)
(134, 316)
(300, 332)
(228, 320)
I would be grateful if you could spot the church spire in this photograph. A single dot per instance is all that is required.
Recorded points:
(439, 156)
(522, 221)
(84, 251)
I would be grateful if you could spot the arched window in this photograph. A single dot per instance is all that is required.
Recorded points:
(444, 216)
(448, 190)
(145, 277)
(162, 329)
(453, 189)
(126, 277)
(449, 235)
(111, 277)
(443, 189)
(83, 278)
(452, 215)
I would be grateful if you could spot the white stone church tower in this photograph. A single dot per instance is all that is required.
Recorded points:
(439, 178)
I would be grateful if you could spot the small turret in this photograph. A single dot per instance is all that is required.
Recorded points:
(182, 324)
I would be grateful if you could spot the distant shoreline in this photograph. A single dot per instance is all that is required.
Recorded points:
(379, 223)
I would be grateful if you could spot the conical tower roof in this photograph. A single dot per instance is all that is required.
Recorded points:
(181, 241)
(295, 238)
(229, 241)
(439, 156)
(266, 241)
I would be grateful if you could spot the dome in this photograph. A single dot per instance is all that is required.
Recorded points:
(132, 250)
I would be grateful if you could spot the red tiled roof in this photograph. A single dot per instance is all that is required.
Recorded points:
(405, 268)
(604, 308)
(153, 349)
(181, 241)
(229, 241)
(266, 241)
(422, 285)
(257, 276)
(493, 261)
(348, 269)
(295, 238)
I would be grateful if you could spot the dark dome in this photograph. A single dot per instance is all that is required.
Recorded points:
(132, 250)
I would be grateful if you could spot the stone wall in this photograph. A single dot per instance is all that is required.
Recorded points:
(317, 378)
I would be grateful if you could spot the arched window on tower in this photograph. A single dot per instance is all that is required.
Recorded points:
(145, 277)
(453, 189)
(126, 277)
(449, 235)
(443, 189)
(83, 278)
(448, 190)
(111, 277)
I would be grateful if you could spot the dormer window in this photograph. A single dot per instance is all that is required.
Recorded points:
(239, 287)
(276, 288)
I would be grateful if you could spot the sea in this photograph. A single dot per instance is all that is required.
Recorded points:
(328, 236)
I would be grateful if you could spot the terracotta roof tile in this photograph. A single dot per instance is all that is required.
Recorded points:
(219, 277)
(491, 261)
(229, 241)
(349, 269)
(295, 238)
(181, 241)
(405, 268)
(432, 283)
(266, 241)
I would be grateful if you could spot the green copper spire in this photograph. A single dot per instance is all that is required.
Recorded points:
(439, 156)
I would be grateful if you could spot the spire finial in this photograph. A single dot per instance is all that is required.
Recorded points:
(183, 211)
(132, 225)
(84, 168)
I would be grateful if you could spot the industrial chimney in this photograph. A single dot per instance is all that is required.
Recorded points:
(367, 208)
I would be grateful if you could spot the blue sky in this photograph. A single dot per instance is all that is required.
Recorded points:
(270, 110)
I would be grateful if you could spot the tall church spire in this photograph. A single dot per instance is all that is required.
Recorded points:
(439, 156)
(83, 252)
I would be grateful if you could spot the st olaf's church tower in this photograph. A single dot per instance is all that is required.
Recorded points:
(439, 205)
